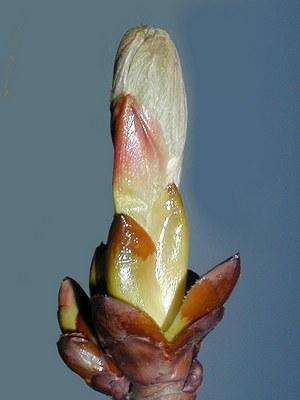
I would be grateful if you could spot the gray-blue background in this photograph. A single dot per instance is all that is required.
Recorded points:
(240, 181)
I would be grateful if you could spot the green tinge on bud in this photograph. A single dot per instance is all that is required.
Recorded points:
(148, 68)
(147, 250)
(74, 311)
(169, 230)
(148, 269)
(97, 271)
(139, 333)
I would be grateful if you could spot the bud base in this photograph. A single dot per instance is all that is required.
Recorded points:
(161, 391)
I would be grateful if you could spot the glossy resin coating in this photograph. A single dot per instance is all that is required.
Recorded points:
(137, 335)
(121, 351)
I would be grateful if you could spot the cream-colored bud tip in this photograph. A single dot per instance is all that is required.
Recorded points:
(147, 67)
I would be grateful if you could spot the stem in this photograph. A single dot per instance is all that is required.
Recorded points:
(161, 391)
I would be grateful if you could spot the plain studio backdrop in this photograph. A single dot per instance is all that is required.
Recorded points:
(240, 178)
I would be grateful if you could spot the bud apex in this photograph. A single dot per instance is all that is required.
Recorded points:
(148, 68)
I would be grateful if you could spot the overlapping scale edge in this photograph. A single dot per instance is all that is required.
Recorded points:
(207, 294)
(130, 266)
(74, 311)
(117, 320)
(137, 344)
(169, 232)
(87, 360)
(140, 349)
(148, 128)
(142, 191)
(140, 159)
(79, 347)
(140, 263)
(97, 282)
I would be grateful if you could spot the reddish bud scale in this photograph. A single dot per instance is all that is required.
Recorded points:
(132, 349)
(138, 334)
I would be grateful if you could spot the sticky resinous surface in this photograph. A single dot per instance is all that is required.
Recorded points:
(137, 336)
(147, 253)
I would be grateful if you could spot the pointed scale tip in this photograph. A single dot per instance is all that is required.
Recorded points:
(207, 294)
(66, 296)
